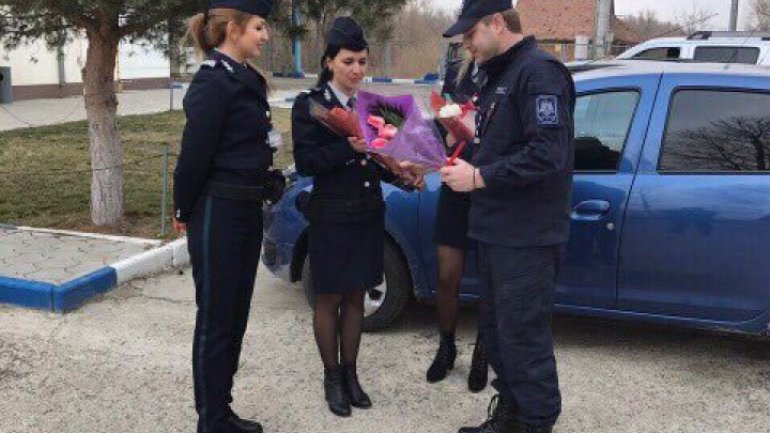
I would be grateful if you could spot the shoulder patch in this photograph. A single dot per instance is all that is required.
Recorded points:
(209, 64)
(547, 108)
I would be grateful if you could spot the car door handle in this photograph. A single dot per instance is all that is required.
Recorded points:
(591, 210)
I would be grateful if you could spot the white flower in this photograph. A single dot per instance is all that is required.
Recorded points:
(449, 111)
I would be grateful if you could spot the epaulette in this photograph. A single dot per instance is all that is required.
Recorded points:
(209, 64)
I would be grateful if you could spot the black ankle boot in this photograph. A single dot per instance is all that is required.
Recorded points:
(244, 424)
(479, 374)
(501, 418)
(444, 360)
(355, 393)
(335, 392)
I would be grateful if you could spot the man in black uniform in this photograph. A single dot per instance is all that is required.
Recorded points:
(520, 177)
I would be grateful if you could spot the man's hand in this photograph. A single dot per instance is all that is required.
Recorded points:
(179, 227)
(462, 177)
(358, 144)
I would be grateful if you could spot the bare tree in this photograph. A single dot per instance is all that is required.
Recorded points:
(647, 25)
(761, 15)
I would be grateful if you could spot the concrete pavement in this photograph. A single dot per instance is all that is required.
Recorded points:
(122, 363)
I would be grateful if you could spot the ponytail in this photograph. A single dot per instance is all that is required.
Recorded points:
(209, 30)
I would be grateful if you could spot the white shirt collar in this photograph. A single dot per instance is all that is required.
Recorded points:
(341, 96)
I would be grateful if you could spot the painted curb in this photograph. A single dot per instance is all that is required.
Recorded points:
(69, 296)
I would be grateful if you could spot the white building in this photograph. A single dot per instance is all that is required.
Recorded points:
(37, 72)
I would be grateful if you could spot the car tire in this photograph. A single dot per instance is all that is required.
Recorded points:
(385, 303)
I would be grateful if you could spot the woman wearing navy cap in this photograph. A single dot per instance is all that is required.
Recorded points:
(221, 179)
(346, 215)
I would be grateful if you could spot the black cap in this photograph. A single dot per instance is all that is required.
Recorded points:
(473, 11)
(346, 33)
(253, 7)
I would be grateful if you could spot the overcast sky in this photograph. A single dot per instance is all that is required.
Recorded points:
(667, 10)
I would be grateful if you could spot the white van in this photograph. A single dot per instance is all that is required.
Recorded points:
(713, 47)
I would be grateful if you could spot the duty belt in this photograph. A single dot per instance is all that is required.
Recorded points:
(234, 192)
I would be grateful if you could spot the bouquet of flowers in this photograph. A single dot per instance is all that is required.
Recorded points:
(459, 120)
(340, 121)
(345, 124)
(393, 126)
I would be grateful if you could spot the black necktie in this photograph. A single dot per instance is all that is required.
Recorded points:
(352, 102)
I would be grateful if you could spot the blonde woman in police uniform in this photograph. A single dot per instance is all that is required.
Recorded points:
(221, 179)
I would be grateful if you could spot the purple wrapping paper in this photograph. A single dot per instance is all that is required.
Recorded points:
(418, 140)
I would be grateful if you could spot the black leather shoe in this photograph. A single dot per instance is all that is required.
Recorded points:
(444, 360)
(355, 393)
(501, 418)
(479, 374)
(335, 393)
(244, 425)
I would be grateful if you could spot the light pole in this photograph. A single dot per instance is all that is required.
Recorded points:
(734, 15)
(297, 45)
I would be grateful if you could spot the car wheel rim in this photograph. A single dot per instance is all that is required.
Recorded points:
(375, 298)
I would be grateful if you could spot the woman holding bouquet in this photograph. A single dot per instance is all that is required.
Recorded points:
(220, 182)
(451, 238)
(346, 215)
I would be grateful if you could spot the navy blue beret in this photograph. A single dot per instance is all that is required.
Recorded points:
(346, 33)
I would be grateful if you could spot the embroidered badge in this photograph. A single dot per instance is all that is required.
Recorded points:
(328, 95)
(501, 90)
(547, 110)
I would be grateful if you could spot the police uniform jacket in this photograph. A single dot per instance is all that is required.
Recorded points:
(525, 150)
(226, 136)
(346, 184)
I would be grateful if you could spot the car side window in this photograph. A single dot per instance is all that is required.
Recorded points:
(717, 131)
(661, 53)
(602, 123)
(746, 55)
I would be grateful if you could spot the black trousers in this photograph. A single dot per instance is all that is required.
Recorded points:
(224, 241)
(517, 300)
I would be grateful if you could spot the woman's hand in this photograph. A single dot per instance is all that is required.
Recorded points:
(358, 144)
(179, 227)
(413, 174)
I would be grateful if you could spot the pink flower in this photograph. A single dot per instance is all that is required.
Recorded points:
(388, 131)
(375, 121)
(379, 143)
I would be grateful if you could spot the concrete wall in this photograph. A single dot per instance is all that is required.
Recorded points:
(35, 69)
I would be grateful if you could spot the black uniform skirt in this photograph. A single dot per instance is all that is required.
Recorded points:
(452, 218)
(346, 256)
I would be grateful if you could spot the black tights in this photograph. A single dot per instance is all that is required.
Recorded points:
(337, 321)
(451, 261)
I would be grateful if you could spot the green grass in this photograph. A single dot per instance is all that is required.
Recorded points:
(45, 172)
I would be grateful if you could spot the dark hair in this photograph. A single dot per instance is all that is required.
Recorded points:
(331, 52)
(326, 74)
(208, 30)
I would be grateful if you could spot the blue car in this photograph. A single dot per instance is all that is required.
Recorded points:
(671, 205)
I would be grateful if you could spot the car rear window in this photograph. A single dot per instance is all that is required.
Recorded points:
(746, 55)
(717, 131)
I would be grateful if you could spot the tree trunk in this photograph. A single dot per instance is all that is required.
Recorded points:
(101, 109)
